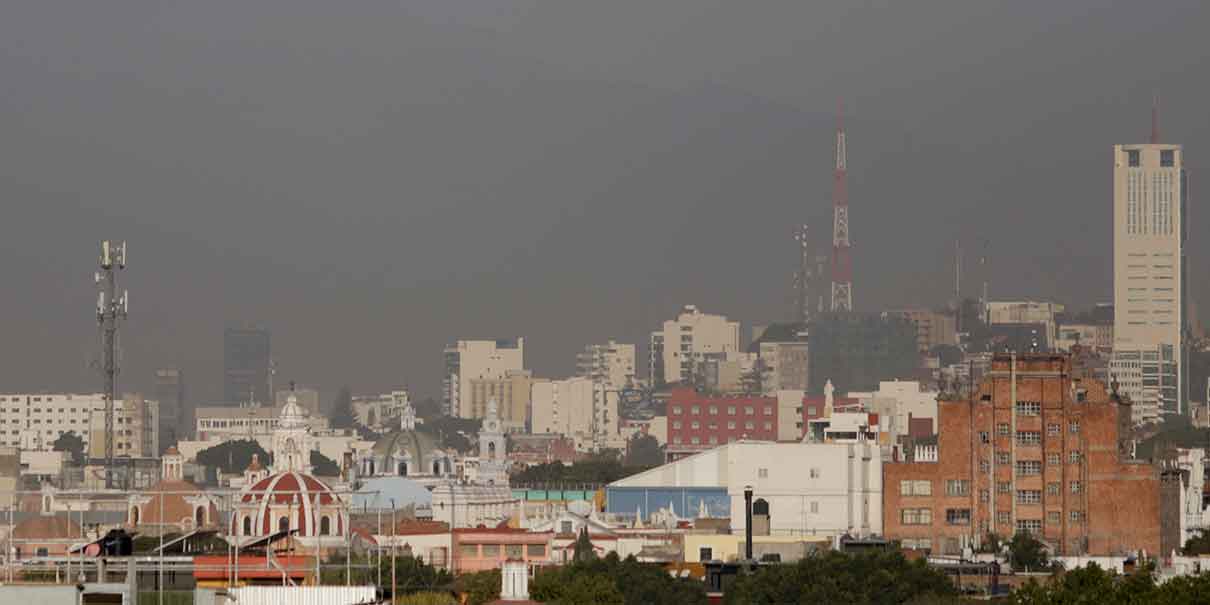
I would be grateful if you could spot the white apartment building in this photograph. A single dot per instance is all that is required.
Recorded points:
(1149, 198)
(611, 363)
(579, 408)
(683, 343)
(477, 359)
(36, 421)
(897, 401)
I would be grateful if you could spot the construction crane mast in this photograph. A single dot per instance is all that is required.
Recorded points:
(842, 264)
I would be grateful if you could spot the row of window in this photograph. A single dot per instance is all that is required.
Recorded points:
(749, 425)
(511, 551)
(713, 410)
(962, 516)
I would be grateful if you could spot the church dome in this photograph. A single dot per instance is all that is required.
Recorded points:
(291, 499)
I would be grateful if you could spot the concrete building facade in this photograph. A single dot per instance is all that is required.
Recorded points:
(1149, 233)
(682, 343)
(698, 422)
(1031, 450)
(612, 363)
(512, 392)
(933, 328)
(36, 421)
(578, 408)
(468, 360)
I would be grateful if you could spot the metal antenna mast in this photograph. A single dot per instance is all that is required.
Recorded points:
(842, 264)
(110, 310)
(802, 278)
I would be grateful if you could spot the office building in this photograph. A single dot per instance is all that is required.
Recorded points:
(1149, 203)
(578, 408)
(1031, 450)
(246, 366)
(698, 422)
(175, 415)
(468, 360)
(679, 347)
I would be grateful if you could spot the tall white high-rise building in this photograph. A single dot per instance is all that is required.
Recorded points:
(468, 360)
(611, 363)
(678, 350)
(1149, 198)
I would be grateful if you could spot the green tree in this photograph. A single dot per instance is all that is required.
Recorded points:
(1026, 553)
(1197, 545)
(428, 409)
(453, 432)
(233, 456)
(341, 415)
(323, 466)
(644, 451)
(480, 587)
(638, 583)
(412, 575)
(583, 547)
(835, 577)
(591, 589)
(427, 598)
(72, 443)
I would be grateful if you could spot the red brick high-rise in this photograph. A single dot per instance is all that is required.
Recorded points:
(1032, 449)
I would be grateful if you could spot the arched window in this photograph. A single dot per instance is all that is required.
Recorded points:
(283, 524)
(403, 469)
(325, 526)
(491, 450)
(200, 516)
(134, 515)
(760, 507)
(437, 467)
(247, 525)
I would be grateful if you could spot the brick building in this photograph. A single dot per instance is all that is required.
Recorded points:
(1033, 449)
(698, 422)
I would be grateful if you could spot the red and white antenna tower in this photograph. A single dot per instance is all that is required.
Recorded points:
(842, 264)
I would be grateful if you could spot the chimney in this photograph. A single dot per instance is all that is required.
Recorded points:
(747, 522)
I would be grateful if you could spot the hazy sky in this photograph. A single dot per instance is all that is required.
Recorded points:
(374, 179)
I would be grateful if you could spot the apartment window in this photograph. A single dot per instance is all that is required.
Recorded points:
(811, 411)
(749, 410)
(958, 516)
(983, 437)
(676, 439)
(731, 424)
(915, 488)
(814, 507)
(768, 426)
(676, 410)
(1132, 158)
(749, 425)
(1167, 158)
(536, 550)
(1074, 427)
(984, 466)
(1054, 517)
(762, 473)
(814, 472)
(1073, 457)
(695, 440)
(1029, 496)
(985, 495)
(1052, 489)
(713, 440)
(1052, 459)
(695, 425)
(1077, 487)
(1029, 437)
(712, 426)
(1029, 467)
(768, 410)
(916, 516)
(1029, 526)
(695, 410)
(1029, 408)
(1002, 428)
(491, 550)
(957, 487)
(1004, 487)
(1076, 516)
(714, 410)
(730, 410)
(1052, 429)
(1003, 458)
(676, 424)
(705, 553)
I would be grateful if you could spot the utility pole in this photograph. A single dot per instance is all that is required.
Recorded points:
(110, 310)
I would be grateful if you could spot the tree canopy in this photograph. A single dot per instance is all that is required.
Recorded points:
(233, 456)
(323, 466)
(1026, 553)
(604, 580)
(480, 587)
(1094, 585)
(644, 451)
(453, 432)
(596, 470)
(70, 442)
(1198, 545)
(412, 575)
(835, 577)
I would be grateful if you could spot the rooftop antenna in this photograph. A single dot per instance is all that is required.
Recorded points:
(111, 309)
(1155, 120)
(842, 266)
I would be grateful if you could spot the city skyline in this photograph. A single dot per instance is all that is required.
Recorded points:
(494, 192)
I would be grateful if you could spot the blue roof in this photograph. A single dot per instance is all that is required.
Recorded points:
(403, 490)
